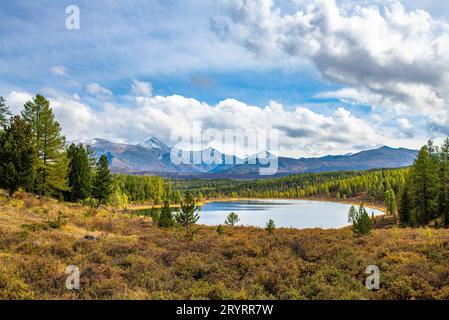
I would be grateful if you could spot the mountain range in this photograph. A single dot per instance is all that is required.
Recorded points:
(154, 157)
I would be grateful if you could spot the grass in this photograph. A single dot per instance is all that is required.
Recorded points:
(133, 259)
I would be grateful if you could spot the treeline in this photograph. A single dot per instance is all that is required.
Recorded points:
(425, 197)
(147, 189)
(376, 185)
(34, 157)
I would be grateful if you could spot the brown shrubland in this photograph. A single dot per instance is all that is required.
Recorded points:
(133, 259)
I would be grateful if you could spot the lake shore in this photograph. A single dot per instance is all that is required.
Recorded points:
(355, 202)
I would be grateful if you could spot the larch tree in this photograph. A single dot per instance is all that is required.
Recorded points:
(51, 162)
(424, 186)
(443, 197)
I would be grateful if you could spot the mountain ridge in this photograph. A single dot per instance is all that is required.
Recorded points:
(154, 157)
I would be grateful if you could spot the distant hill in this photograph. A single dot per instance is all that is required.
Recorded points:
(153, 157)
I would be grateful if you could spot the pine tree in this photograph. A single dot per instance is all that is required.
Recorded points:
(166, 217)
(102, 184)
(5, 114)
(232, 219)
(80, 173)
(17, 156)
(187, 216)
(361, 221)
(51, 164)
(424, 185)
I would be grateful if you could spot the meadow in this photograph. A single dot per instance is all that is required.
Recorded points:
(128, 257)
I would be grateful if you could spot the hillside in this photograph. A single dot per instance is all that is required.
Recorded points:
(131, 258)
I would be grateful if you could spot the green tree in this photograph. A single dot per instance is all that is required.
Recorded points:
(80, 173)
(405, 205)
(187, 216)
(17, 156)
(390, 202)
(5, 114)
(166, 217)
(424, 185)
(352, 215)
(443, 196)
(102, 183)
(270, 227)
(232, 219)
(361, 222)
(51, 164)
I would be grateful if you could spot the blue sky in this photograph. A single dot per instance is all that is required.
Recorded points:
(207, 60)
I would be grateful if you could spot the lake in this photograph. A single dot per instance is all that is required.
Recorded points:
(300, 214)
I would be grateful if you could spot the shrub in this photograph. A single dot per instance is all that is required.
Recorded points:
(220, 230)
(270, 226)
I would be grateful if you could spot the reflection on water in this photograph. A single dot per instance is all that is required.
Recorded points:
(285, 213)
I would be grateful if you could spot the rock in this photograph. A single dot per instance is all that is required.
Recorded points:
(90, 237)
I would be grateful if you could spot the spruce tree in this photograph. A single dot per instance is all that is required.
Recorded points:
(5, 114)
(102, 183)
(80, 173)
(51, 162)
(166, 217)
(17, 156)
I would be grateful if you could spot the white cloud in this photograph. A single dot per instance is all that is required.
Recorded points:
(302, 131)
(16, 99)
(388, 57)
(59, 71)
(97, 90)
(141, 88)
(406, 128)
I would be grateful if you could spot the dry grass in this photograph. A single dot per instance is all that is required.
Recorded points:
(132, 259)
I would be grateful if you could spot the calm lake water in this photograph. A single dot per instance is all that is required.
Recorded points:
(299, 214)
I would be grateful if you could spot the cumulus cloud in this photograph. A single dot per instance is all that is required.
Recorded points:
(97, 90)
(385, 56)
(302, 132)
(141, 88)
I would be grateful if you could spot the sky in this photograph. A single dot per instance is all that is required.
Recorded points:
(332, 77)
